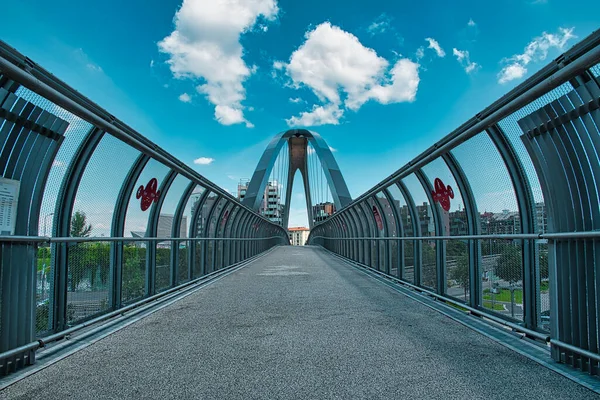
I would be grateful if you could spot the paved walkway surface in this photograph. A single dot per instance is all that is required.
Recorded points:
(297, 324)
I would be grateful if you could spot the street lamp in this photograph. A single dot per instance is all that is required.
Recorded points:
(46, 221)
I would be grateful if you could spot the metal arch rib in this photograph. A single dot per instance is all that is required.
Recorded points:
(258, 183)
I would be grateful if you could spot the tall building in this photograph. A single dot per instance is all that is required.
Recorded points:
(298, 235)
(426, 219)
(322, 211)
(271, 206)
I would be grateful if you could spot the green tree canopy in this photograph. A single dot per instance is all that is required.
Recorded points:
(510, 267)
(79, 225)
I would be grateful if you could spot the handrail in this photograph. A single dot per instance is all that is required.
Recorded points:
(522, 236)
(45, 239)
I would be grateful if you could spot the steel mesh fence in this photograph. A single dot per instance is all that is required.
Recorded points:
(134, 272)
(88, 280)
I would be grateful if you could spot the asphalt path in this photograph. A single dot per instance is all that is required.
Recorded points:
(296, 324)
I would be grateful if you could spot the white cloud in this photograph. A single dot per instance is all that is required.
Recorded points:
(205, 45)
(433, 44)
(320, 115)
(472, 66)
(278, 65)
(536, 50)
(380, 25)
(204, 161)
(511, 72)
(184, 97)
(296, 100)
(420, 52)
(471, 22)
(227, 115)
(342, 72)
(151, 63)
(232, 177)
(463, 58)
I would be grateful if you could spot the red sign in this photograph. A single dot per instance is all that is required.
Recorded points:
(378, 218)
(442, 194)
(148, 194)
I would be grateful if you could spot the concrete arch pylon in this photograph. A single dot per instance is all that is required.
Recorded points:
(297, 140)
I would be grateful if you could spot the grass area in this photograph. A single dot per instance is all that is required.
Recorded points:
(504, 295)
(497, 306)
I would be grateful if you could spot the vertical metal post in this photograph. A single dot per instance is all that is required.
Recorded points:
(473, 228)
(118, 227)
(152, 231)
(416, 222)
(439, 228)
(176, 232)
(62, 223)
(525, 201)
(399, 232)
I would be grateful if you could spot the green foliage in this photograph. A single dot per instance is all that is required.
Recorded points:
(509, 266)
(428, 272)
(460, 273)
(456, 248)
(134, 272)
(79, 225)
(89, 261)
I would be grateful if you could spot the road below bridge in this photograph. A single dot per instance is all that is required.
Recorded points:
(296, 324)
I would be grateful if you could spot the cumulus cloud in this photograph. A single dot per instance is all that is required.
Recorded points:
(205, 46)
(463, 58)
(433, 44)
(329, 114)
(536, 50)
(420, 52)
(343, 73)
(204, 161)
(184, 97)
(471, 22)
(296, 100)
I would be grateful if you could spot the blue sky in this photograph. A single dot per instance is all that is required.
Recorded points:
(379, 80)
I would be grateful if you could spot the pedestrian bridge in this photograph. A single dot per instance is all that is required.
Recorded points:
(471, 271)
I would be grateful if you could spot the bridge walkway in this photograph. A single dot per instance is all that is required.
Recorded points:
(296, 324)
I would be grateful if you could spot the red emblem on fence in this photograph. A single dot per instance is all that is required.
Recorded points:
(148, 194)
(377, 218)
(442, 194)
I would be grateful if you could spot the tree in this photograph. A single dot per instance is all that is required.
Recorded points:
(460, 273)
(509, 266)
(79, 266)
(79, 225)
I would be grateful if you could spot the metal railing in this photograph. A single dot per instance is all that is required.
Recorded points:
(82, 172)
(506, 208)
(89, 296)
